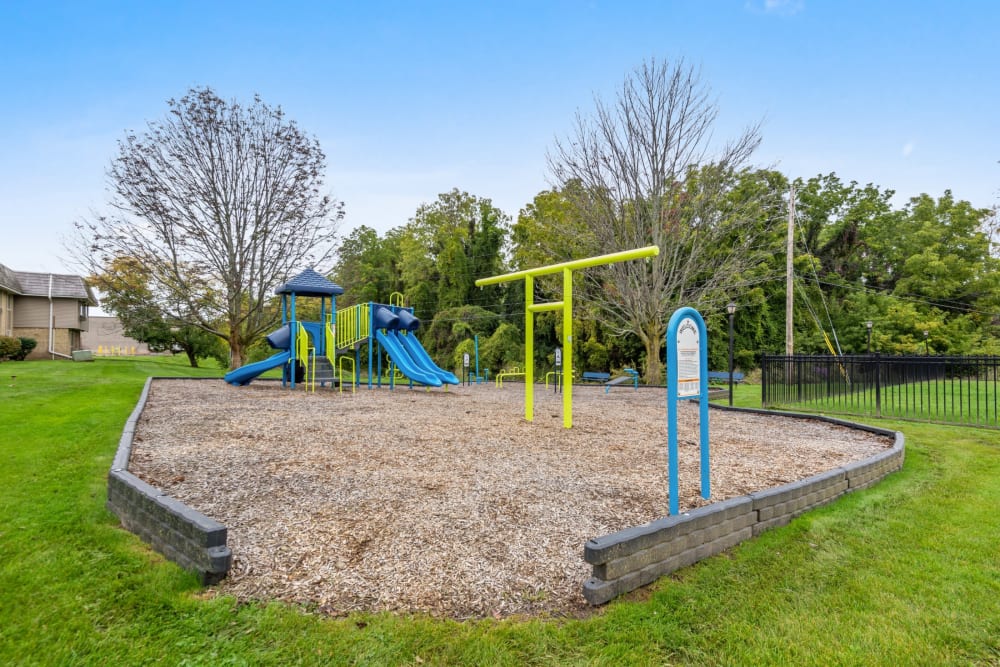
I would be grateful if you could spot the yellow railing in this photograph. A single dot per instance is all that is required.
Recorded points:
(353, 325)
(330, 343)
(507, 373)
(347, 360)
(557, 377)
(306, 354)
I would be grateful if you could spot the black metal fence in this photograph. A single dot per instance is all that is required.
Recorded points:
(948, 390)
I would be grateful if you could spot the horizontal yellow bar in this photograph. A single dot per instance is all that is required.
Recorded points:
(638, 253)
(544, 307)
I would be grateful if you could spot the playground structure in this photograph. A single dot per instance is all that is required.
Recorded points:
(566, 306)
(328, 352)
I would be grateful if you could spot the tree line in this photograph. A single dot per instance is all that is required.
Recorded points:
(202, 228)
(922, 267)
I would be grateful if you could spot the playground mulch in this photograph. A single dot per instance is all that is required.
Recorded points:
(447, 503)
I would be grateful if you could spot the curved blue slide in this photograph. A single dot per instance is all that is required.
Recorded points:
(419, 354)
(244, 374)
(399, 356)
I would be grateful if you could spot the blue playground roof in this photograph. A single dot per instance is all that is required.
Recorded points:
(310, 283)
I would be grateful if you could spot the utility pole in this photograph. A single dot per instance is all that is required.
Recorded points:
(789, 284)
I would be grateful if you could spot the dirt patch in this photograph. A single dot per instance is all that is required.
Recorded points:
(448, 503)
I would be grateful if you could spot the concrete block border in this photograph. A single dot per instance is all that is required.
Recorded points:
(637, 556)
(185, 536)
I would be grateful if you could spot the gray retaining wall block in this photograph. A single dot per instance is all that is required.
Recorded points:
(183, 535)
(637, 556)
(630, 540)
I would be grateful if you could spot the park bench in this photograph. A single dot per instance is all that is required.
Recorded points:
(593, 376)
(722, 377)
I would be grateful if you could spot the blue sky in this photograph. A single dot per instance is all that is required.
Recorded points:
(411, 99)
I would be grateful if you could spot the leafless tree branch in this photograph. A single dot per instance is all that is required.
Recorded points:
(645, 170)
(220, 202)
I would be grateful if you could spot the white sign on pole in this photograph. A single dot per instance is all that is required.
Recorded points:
(465, 359)
(687, 377)
(688, 362)
(558, 356)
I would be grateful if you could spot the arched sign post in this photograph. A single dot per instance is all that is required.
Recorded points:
(687, 377)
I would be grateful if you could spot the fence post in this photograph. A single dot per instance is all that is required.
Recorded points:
(763, 381)
(797, 365)
(878, 384)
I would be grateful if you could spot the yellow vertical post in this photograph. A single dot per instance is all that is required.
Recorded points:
(567, 309)
(529, 348)
(566, 305)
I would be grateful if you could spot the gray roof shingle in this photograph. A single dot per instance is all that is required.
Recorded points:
(63, 286)
(8, 280)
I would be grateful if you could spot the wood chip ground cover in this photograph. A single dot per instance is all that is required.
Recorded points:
(446, 502)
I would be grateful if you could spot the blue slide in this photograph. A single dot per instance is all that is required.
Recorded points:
(419, 354)
(244, 374)
(399, 356)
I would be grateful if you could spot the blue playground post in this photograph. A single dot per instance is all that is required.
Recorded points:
(687, 378)
(476, 342)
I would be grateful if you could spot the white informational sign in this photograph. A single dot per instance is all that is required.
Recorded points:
(688, 361)
(558, 356)
(465, 359)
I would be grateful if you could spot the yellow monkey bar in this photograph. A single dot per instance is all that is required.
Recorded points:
(566, 305)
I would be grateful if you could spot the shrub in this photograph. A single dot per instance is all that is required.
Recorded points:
(27, 345)
(504, 348)
(9, 347)
(596, 355)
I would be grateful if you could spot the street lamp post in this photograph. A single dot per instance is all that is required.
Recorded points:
(868, 325)
(731, 309)
(926, 349)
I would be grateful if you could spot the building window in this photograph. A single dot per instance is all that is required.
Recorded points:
(83, 310)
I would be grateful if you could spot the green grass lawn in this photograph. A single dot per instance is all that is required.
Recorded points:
(907, 572)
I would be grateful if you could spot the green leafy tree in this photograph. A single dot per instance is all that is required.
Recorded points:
(926, 267)
(942, 253)
(549, 229)
(446, 247)
(838, 225)
(126, 287)
(366, 267)
(446, 336)
(504, 348)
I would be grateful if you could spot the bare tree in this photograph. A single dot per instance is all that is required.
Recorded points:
(643, 171)
(219, 203)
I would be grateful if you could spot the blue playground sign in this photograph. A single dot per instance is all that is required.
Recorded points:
(687, 377)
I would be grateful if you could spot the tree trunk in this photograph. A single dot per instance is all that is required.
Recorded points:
(192, 357)
(652, 341)
(235, 351)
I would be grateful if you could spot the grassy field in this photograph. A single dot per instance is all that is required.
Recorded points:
(907, 572)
